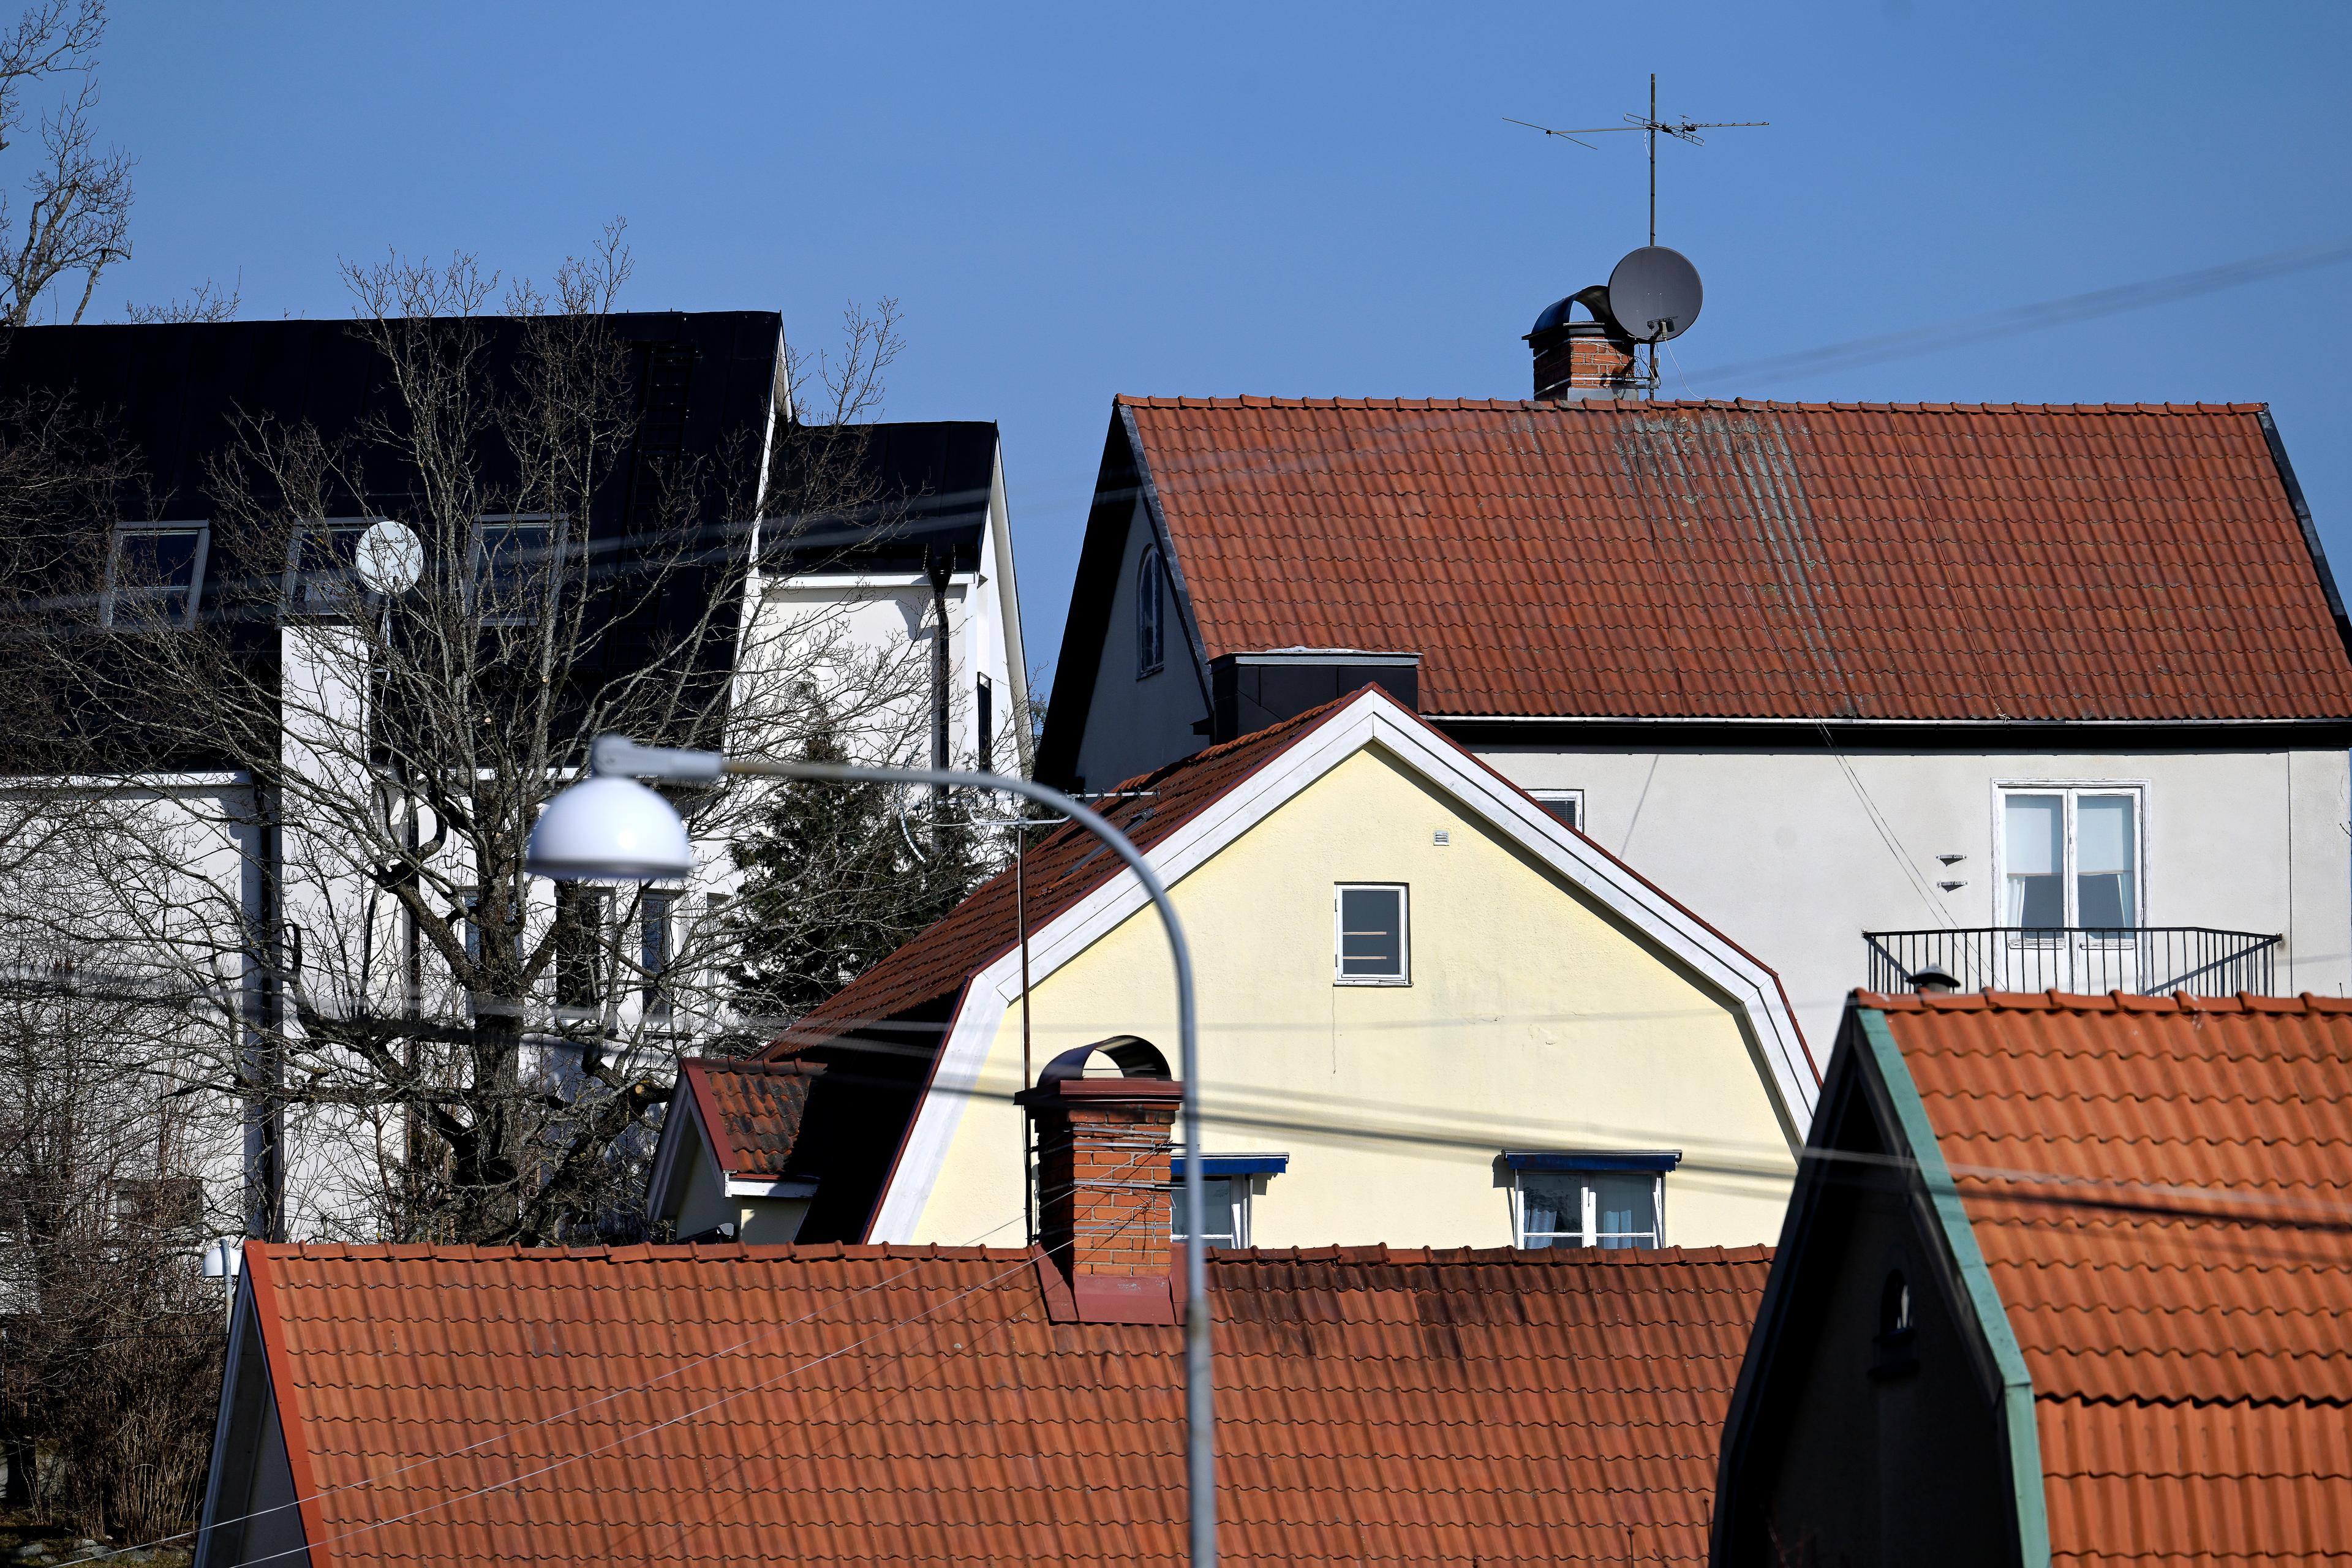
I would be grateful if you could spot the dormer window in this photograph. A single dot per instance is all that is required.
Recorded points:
(1151, 598)
(1605, 1198)
(322, 570)
(154, 574)
(514, 556)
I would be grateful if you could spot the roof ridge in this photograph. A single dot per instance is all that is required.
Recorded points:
(1612, 406)
(2303, 1004)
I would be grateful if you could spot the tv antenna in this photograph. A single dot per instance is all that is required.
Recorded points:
(1650, 125)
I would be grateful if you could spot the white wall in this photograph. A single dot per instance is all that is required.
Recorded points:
(1135, 725)
(1778, 850)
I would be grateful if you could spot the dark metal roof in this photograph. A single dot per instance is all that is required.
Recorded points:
(924, 484)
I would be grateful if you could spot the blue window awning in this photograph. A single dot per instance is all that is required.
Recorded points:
(1215, 1166)
(1593, 1159)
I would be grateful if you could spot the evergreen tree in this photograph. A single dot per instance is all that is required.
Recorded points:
(835, 878)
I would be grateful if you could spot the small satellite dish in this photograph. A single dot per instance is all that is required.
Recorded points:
(1654, 294)
(390, 557)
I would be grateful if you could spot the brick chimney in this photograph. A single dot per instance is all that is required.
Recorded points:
(1103, 1151)
(1582, 358)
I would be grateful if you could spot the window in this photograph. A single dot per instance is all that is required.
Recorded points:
(1612, 1199)
(984, 725)
(155, 574)
(1567, 804)
(582, 919)
(655, 947)
(1371, 944)
(513, 557)
(2070, 857)
(1150, 603)
(1227, 1184)
(1894, 1349)
(322, 568)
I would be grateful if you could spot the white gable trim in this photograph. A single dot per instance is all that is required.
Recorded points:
(1372, 718)
(681, 1128)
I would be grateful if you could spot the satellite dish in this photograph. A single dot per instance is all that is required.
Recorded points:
(1654, 294)
(390, 557)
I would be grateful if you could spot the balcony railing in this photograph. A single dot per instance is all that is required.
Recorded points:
(2147, 961)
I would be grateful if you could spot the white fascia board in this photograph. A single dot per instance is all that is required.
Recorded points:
(115, 784)
(739, 1188)
(1793, 1079)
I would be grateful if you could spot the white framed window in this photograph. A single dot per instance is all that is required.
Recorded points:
(1228, 1182)
(1371, 936)
(657, 940)
(1614, 1200)
(2071, 855)
(1150, 609)
(1567, 804)
(154, 574)
(515, 556)
(582, 936)
(323, 566)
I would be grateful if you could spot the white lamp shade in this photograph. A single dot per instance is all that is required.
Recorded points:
(609, 830)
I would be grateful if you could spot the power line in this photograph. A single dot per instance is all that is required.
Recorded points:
(2041, 316)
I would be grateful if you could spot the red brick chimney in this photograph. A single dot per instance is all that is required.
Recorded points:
(1103, 1150)
(1582, 358)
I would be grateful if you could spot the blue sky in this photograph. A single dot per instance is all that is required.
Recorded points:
(1073, 202)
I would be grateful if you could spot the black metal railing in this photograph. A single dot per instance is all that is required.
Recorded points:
(2147, 961)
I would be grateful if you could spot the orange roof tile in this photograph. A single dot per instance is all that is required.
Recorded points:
(2162, 1191)
(870, 1405)
(752, 1109)
(1760, 560)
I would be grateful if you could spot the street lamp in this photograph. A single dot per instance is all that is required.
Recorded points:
(610, 827)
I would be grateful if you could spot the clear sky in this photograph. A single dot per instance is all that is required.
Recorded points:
(1074, 201)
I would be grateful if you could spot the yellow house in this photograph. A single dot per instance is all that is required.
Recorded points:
(1431, 1014)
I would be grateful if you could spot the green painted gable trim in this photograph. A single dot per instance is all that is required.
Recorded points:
(1992, 1317)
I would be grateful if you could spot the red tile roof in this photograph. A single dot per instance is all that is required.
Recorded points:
(873, 1405)
(1760, 560)
(752, 1109)
(2162, 1190)
(1057, 872)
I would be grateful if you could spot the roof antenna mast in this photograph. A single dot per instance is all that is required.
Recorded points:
(1649, 125)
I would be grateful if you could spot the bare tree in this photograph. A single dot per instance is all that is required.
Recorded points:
(76, 217)
(439, 1047)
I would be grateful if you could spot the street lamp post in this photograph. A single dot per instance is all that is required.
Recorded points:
(609, 827)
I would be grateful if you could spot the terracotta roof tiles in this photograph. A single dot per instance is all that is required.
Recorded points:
(1929, 561)
(2162, 1190)
(752, 1109)
(914, 1406)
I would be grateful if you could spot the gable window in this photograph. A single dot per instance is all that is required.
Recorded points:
(154, 574)
(2070, 857)
(1567, 804)
(984, 725)
(321, 568)
(514, 556)
(1611, 1199)
(1150, 596)
(1372, 943)
(1228, 1181)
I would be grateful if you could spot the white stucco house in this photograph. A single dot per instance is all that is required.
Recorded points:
(2035, 696)
(914, 563)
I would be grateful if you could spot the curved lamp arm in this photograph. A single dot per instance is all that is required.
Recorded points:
(616, 756)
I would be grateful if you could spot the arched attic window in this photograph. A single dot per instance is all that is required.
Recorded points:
(1150, 623)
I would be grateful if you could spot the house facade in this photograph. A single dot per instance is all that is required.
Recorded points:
(1430, 1016)
(818, 591)
(2035, 696)
(2064, 1280)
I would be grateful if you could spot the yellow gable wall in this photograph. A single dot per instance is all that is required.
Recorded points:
(1533, 1021)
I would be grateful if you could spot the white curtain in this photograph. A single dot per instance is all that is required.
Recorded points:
(2035, 829)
